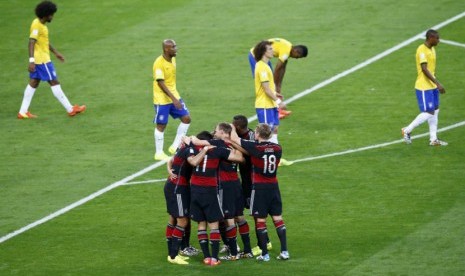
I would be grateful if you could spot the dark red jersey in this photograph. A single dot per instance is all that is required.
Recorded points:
(181, 167)
(206, 173)
(227, 169)
(265, 157)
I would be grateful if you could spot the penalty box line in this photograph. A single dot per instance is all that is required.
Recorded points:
(293, 98)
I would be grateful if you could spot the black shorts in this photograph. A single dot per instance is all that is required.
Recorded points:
(232, 199)
(266, 201)
(177, 200)
(205, 205)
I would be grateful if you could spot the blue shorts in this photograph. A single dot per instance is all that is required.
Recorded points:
(253, 62)
(428, 100)
(269, 116)
(163, 110)
(44, 72)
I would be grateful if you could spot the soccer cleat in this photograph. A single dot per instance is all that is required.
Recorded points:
(184, 258)
(207, 261)
(77, 109)
(27, 115)
(263, 258)
(230, 257)
(214, 262)
(172, 150)
(283, 256)
(406, 136)
(438, 142)
(257, 251)
(177, 260)
(189, 251)
(161, 156)
(243, 255)
(285, 162)
(283, 113)
(224, 249)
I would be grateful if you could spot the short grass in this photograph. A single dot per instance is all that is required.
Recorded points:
(396, 210)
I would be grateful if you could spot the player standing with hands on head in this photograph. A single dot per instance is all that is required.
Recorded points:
(427, 88)
(266, 98)
(40, 65)
(166, 100)
(283, 50)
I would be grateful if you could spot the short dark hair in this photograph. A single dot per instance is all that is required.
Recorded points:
(240, 122)
(204, 135)
(45, 8)
(260, 49)
(431, 33)
(302, 49)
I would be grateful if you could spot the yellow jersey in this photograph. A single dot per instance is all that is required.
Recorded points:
(39, 32)
(164, 70)
(263, 74)
(428, 56)
(281, 48)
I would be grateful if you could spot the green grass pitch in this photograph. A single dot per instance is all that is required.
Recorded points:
(392, 210)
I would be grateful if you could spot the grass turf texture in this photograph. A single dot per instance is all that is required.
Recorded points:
(396, 210)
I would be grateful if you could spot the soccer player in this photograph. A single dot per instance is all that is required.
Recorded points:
(231, 198)
(205, 205)
(166, 100)
(283, 50)
(240, 123)
(177, 195)
(40, 65)
(266, 98)
(266, 197)
(427, 88)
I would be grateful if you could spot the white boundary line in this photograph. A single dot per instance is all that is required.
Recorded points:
(452, 43)
(144, 182)
(82, 201)
(459, 124)
(293, 98)
(367, 62)
(462, 123)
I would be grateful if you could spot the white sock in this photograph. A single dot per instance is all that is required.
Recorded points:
(182, 131)
(27, 98)
(433, 126)
(420, 119)
(274, 138)
(58, 93)
(159, 139)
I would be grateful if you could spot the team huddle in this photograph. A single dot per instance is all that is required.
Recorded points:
(204, 186)
(203, 183)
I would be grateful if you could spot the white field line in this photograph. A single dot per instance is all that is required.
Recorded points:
(367, 62)
(144, 182)
(82, 201)
(293, 98)
(462, 123)
(452, 43)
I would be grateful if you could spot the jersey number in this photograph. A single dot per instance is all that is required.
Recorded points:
(269, 164)
(204, 165)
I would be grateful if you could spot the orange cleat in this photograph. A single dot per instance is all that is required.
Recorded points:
(283, 113)
(27, 115)
(76, 110)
